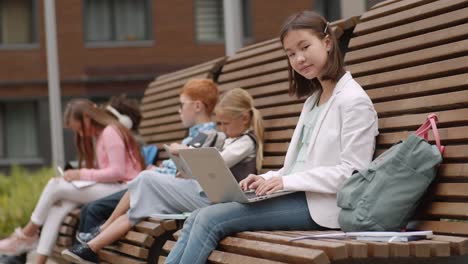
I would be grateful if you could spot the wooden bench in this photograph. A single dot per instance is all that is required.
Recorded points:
(411, 58)
(160, 124)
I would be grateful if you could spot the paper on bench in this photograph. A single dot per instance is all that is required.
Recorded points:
(181, 216)
(82, 184)
(371, 236)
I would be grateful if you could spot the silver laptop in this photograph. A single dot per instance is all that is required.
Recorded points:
(208, 167)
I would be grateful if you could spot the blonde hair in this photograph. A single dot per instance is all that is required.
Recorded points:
(235, 103)
(76, 109)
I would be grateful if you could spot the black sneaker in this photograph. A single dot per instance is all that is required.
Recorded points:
(80, 253)
(84, 238)
(20, 259)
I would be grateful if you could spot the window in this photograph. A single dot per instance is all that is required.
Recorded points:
(330, 9)
(18, 130)
(17, 22)
(209, 20)
(117, 20)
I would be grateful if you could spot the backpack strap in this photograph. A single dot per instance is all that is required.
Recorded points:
(198, 141)
(430, 124)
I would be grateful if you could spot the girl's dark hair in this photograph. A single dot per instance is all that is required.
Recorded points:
(334, 68)
(128, 107)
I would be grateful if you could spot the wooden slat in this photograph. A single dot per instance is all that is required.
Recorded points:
(66, 230)
(410, 29)
(256, 60)
(162, 129)
(276, 100)
(334, 250)
(430, 39)
(220, 257)
(452, 190)
(448, 210)
(384, 3)
(274, 44)
(143, 239)
(399, 249)
(273, 161)
(420, 249)
(390, 9)
(153, 229)
(267, 90)
(172, 85)
(457, 171)
(423, 104)
(151, 102)
(65, 241)
(280, 65)
(458, 245)
(208, 66)
(272, 251)
(285, 134)
(257, 45)
(439, 248)
(128, 249)
(112, 257)
(404, 60)
(75, 213)
(408, 15)
(355, 249)
(446, 228)
(160, 121)
(281, 123)
(70, 220)
(416, 73)
(160, 112)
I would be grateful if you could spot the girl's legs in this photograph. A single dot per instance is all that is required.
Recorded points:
(207, 226)
(150, 193)
(51, 226)
(112, 233)
(56, 190)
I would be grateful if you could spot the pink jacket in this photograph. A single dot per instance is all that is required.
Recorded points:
(114, 162)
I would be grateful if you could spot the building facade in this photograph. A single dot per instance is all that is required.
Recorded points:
(108, 47)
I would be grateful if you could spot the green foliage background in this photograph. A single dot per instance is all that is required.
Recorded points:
(19, 193)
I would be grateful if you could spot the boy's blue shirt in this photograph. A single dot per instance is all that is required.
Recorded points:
(168, 166)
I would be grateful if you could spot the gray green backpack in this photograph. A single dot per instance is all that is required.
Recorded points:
(385, 196)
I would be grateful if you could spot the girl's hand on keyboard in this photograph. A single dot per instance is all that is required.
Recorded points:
(251, 182)
(270, 186)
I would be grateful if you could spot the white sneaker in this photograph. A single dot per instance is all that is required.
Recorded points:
(18, 243)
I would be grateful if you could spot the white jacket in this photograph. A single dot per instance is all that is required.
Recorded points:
(343, 140)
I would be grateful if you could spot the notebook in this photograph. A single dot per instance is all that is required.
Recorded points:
(208, 167)
(77, 184)
(372, 236)
(177, 161)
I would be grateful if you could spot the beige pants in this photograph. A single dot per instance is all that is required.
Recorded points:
(58, 198)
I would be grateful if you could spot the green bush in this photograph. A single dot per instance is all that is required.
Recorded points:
(19, 193)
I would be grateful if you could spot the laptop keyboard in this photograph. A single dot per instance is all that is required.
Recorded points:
(250, 194)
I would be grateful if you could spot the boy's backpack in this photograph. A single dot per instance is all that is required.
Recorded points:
(385, 196)
(206, 139)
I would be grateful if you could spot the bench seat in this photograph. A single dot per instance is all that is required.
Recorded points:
(410, 56)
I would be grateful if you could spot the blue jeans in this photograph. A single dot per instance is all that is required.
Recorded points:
(96, 213)
(206, 226)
